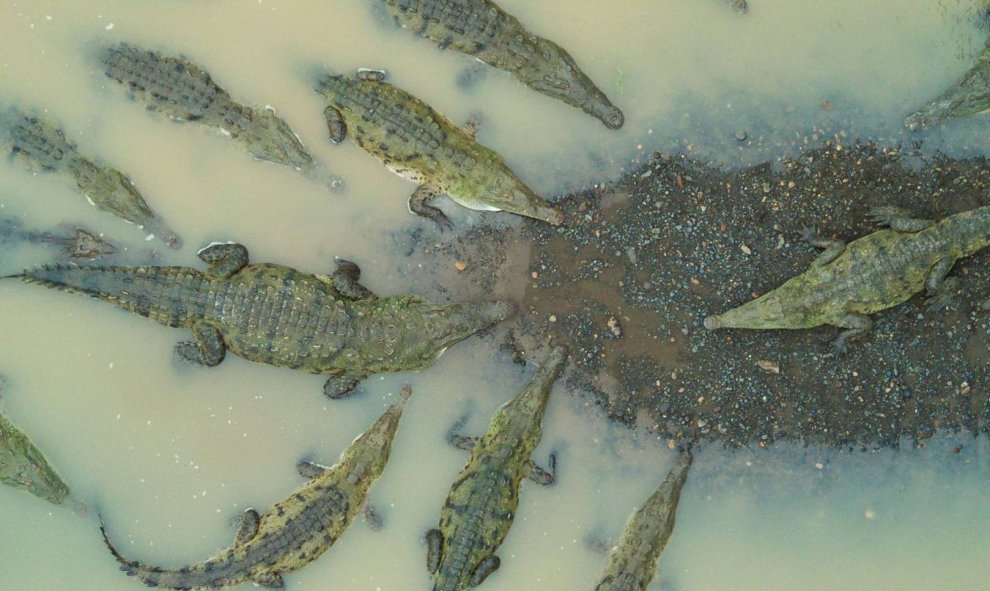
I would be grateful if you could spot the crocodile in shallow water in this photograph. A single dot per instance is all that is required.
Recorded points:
(483, 500)
(416, 142)
(180, 89)
(481, 29)
(22, 465)
(632, 564)
(295, 531)
(276, 315)
(43, 146)
(968, 96)
(73, 242)
(847, 283)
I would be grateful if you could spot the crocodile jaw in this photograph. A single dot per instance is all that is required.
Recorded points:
(762, 313)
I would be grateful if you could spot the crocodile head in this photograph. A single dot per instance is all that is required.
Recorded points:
(553, 72)
(764, 312)
(448, 324)
(969, 96)
(113, 191)
(23, 466)
(269, 138)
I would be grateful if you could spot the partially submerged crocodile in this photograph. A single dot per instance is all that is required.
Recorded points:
(632, 565)
(182, 90)
(740, 5)
(847, 283)
(22, 465)
(417, 142)
(968, 96)
(296, 530)
(481, 29)
(72, 241)
(43, 146)
(276, 315)
(483, 500)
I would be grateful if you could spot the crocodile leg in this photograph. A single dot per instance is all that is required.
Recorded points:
(419, 205)
(345, 281)
(372, 517)
(341, 385)
(898, 219)
(456, 439)
(434, 540)
(335, 124)
(941, 289)
(249, 527)
(224, 258)
(472, 124)
(833, 248)
(206, 348)
(541, 476)
(308, 469)
(856, 325)
(486, 567)
(268, 581)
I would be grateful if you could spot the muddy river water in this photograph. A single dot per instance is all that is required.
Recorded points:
(170, 454)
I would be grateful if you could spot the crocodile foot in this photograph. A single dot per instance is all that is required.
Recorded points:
(897, 218)
(345, 281)
(341, 386)
(945, 298)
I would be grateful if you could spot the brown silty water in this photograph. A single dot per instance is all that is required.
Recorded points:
(171, 454)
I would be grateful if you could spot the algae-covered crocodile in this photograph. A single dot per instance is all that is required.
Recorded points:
(632, 564)
(44, 147)
(847, 283)
(73, 242)
(417, 142)
(968, 96)
(182, 90)
(276, 315)
(481, 29)
(296, 530)
(23, 466)
(483, 500)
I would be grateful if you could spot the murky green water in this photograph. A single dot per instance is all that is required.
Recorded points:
(170, 454)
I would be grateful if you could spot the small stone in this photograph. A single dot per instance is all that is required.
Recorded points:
(552, 318)
(746, 250)
(741, 135)
(460, 266)
(615, 327)
(534, 274)
(768, 366)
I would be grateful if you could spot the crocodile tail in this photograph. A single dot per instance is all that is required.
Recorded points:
(168, 295)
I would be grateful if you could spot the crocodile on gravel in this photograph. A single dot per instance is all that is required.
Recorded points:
(44, 148)
(180, 89)
(418, 143)
(847, 283)
(968, 96)
(483, 500)
(295, 531)
(22, 465)
(72, 242)
(276, 315)
(481, 29)
(632, 564)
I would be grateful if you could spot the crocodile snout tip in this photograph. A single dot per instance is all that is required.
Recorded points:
(713, 322)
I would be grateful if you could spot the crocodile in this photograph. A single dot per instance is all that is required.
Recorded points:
(44, 148)
(296, 530)
(480, 28)
(483, 499)
(74, 242)
(276, 315)
(183, 91)
(878, 271)
(418, 143)
(632, 565)
(970, 95)
(23, 466)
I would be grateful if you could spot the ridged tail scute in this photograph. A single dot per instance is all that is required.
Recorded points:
(169, 295)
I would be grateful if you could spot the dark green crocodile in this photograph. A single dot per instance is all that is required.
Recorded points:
(23, 466)
(276, 315)
(632, 564)
(73, 242)
(182, 90)
(483, 500)
(416, 142)
(847, 283)
(968, 96)
(43, 146)
(481, 29)
(296, 530)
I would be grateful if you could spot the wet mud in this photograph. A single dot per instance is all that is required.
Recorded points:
(628, 279)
